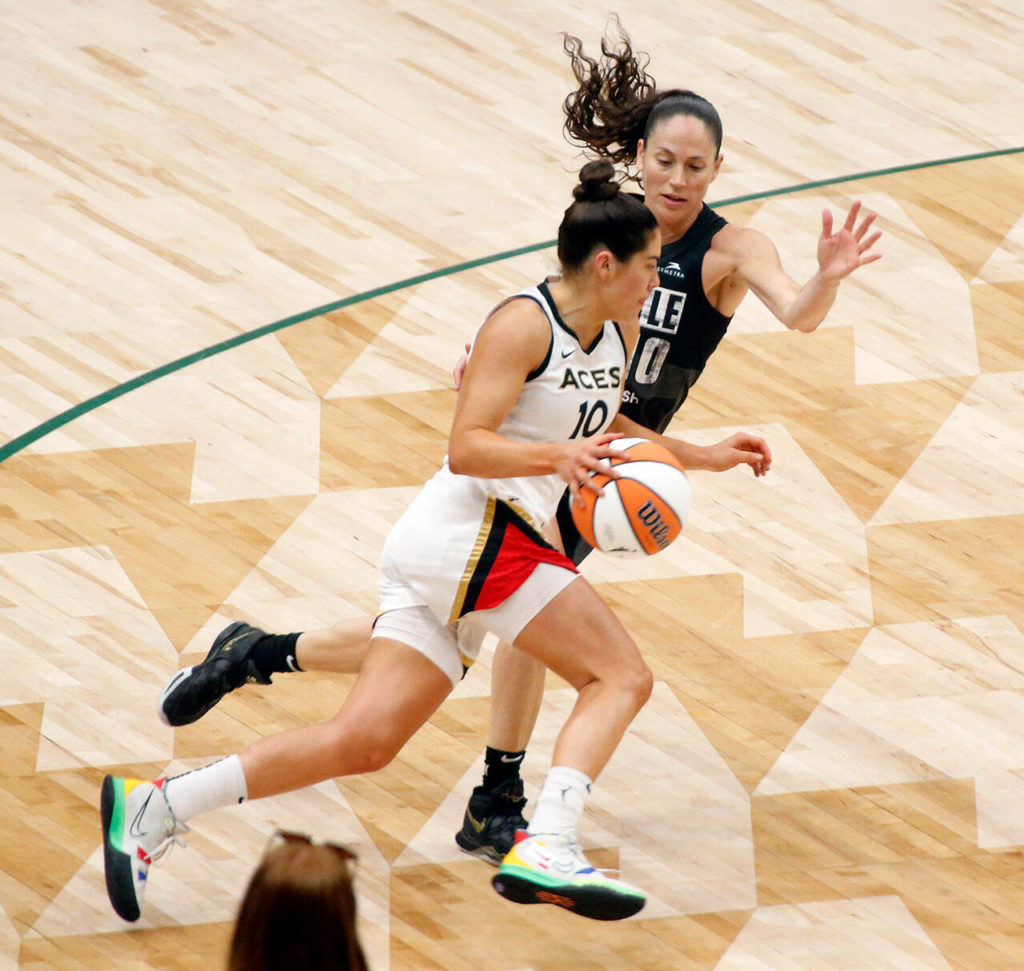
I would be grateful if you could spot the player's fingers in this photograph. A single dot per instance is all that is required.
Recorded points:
(592, 483)
(871, 240)
(595, 464)
(851, 216)
(753, 443)
(865, 224)
(755, 459)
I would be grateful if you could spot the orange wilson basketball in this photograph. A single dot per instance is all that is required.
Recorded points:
(643, 510)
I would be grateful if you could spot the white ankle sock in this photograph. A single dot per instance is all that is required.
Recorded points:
(560, 803)
(211, 787)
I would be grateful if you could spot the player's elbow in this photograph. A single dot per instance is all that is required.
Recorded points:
(804, 324)
(460, 456)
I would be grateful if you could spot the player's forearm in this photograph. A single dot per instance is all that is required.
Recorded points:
(690, 456)
(811, 304)
(488, 455)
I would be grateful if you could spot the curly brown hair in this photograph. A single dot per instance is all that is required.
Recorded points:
(616, 102)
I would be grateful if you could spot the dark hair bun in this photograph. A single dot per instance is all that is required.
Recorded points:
(596, 182)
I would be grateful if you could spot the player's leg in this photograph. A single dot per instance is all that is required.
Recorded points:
(243, 654)
(513, 714)
(577, 636)
(397, 690)
(495, 811)
(339, 648)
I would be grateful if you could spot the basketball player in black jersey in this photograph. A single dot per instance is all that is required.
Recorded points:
(672, 142)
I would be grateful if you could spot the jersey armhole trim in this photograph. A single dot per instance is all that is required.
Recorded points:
(622, 341)
(542, 367)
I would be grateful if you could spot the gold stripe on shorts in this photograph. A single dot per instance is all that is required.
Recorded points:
(474, 558)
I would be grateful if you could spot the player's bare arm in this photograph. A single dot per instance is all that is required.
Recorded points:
(747, 259)
(741, 448)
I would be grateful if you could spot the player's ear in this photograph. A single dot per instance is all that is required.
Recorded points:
(603, 262)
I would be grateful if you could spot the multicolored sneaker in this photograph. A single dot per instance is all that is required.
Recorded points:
(193, 691)
(492, 820)
(138, 828)
(552, 869)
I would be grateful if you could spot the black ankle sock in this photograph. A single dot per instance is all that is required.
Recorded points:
(274, 653)
(500, 766)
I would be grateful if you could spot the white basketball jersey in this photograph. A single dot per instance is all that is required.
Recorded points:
(443, 549)
(574, 393)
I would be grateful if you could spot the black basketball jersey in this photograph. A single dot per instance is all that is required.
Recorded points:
(679, 330)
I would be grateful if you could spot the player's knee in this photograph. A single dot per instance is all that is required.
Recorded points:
(639, 681)
(634, 680)
(375, 756)
(356, 753)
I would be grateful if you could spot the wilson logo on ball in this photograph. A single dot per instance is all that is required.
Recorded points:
(657, 528)
(644, 509)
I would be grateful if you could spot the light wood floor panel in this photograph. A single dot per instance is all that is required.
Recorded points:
(830, 770)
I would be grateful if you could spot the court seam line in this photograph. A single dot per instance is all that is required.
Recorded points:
(22, 441)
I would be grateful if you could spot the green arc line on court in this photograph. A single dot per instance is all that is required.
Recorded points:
(22, 441)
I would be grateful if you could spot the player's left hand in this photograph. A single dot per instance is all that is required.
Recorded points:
(839, 254)
(741, 448)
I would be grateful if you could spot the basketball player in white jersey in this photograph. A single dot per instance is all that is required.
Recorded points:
(539, 395)
(707, 266)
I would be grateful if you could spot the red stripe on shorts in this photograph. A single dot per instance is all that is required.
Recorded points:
(512, 552)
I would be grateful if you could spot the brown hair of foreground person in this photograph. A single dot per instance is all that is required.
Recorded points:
(299, 910)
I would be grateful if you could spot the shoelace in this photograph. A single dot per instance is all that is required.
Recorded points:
(175, 838)
(614, 873)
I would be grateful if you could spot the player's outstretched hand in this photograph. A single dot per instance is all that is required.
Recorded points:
(839, 254)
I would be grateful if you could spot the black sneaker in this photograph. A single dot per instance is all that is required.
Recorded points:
(193, 691)
(491, 821)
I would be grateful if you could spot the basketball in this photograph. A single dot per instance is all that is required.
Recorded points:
(643, 510)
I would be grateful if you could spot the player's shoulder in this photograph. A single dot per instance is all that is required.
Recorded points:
(523, 308)
(741, 242)
(518, 321)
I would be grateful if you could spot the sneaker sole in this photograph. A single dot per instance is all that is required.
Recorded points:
(485, 852)
(595, 902)
(224, 635)
(117, 865)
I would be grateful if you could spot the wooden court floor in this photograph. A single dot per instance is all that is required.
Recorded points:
(830, 771)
